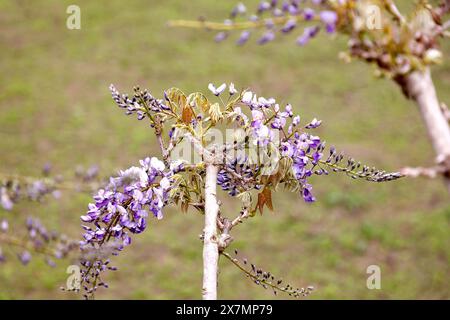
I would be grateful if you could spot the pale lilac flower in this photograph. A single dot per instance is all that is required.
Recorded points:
(329, 18)
(4, 225)
(257, 115)
(308, 33)
(134, 174)
(24, 257)
(217, 91)
(6, 202)
(165, 183)
(239, 9)
(263, 6)
(313, 124)
(157, 164)
(247, 97)
(293, 10)
(243, 38)
(266, 37)
(289, 26)
(278, 123)
(263, 102)
(221, 36)
(231, 89)
(277, 12)
(308, 14)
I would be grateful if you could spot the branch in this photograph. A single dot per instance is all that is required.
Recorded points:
(267, 280)
(210, 243)
(239, 219)
(366, 173)
(222, 26)
(445, 111)
(431, 172)
(17, 242)
(392, 8)
(419, 87)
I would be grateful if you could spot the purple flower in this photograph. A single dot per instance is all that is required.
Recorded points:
(287, 149)
(307, 195)
(247, 97)
(238, 9)
(24, 257)
(221, 36)
(308, 33)
(293, 10)
(263, 102)
(308, 14)
(266, 37)
(289, 110)
(278, 123)
(123, 206)
(316, 157)
(258, 117)
(4, 225)
(243, 38)
(289, 26)
(313, 124)
(157, 164)
(263, 6)
(5, 200)
(329, 18)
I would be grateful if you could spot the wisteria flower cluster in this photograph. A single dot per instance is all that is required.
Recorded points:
(397, 44)
(33, 238)
(269, 147)
(37, 239)
(378, 32)
(121, 209)
(266, 279)
(273, 17)
(298, 154)
(14, 188)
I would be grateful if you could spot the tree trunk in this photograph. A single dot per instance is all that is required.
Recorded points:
(210, 245)
(419, 87)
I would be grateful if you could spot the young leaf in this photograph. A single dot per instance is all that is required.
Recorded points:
(187, 114)
(215, 113)
(198, 100)
(264, 198)
(184, 206)
(176, 98)
(268, 197)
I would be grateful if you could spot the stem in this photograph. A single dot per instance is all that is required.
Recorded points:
(220, 26)
(210, 245)
(419, 87)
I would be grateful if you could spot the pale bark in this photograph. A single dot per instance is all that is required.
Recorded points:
(210, 243)
(419, 87)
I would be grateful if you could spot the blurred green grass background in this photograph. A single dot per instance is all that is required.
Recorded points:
(55, 107)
